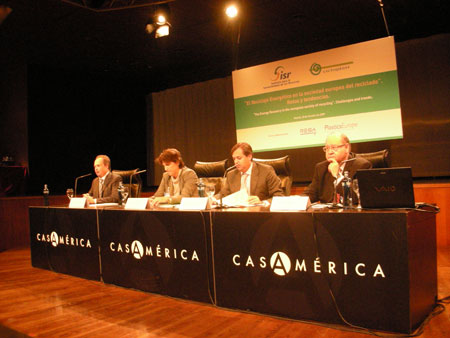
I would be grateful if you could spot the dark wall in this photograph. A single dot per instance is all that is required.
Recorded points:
(73, 117)
(13, 106)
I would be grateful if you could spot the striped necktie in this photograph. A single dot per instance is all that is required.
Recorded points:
(100, 187)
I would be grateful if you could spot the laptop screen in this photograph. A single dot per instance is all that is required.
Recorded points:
(386, 188)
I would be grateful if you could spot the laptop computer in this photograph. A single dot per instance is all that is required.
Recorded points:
(386, 188)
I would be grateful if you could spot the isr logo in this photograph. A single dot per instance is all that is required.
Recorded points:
(280, 74)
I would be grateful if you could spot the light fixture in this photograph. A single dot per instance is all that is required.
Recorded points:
(159, 22)
(231, 11)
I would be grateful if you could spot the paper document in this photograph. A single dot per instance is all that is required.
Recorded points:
(237, 199)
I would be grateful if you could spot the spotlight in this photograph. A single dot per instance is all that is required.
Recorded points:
(231, 11)
(159, 22)
(162, 31)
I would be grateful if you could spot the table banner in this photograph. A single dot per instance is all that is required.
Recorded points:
(65, 241)
(162, 252)
(285, 264)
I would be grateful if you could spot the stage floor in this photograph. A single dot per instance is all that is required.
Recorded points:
(41, 303)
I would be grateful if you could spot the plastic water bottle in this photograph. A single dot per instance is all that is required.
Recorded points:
(201, 188)
(346, 191)
(45, 193)
(119, 192)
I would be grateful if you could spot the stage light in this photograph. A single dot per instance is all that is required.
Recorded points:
(162, 31)
(161, 19)
(159, 22)
(231, 11)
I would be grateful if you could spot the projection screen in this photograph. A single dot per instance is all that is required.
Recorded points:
(297, 102)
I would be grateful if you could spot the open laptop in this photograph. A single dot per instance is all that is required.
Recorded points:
(386, 188)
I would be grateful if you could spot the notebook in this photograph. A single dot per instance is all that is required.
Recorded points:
(386, 188)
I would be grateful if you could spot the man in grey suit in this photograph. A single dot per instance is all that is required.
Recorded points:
(338, 159)
(104, 186)
(259, 180)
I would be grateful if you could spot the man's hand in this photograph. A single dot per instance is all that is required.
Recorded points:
(254, 200)
(89, 198)
(333, 167)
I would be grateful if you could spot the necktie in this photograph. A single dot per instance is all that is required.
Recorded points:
(244, 182)
(100, 187)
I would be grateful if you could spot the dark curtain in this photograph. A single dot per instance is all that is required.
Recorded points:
(197, 119)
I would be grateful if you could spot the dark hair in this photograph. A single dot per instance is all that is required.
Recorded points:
(170, 155)
(106, 160)
(246, 148)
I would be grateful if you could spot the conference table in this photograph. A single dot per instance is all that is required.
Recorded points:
(376, 269)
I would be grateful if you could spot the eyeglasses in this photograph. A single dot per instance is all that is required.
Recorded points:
(333, 148)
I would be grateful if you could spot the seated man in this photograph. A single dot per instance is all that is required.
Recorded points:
(337, 152)
(104, 186)
(177, 182)
(259, 180)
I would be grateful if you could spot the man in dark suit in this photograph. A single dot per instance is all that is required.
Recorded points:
(259, 180)
(104, 186)
(338, 159)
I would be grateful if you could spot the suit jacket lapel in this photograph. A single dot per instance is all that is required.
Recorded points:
(106, 184)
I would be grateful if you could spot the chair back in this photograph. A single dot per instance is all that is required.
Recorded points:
(211, 172)
(131, 180)
(282, 167)
(379, 159)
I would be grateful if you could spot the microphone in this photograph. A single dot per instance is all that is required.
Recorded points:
(139, 172)
(349, 160)
(76, 181)
(228, 169)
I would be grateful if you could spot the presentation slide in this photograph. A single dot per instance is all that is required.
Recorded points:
(297, 102)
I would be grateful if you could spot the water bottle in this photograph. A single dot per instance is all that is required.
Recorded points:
(346, 191)
(119, 192)
(45, 192)
(201, 188)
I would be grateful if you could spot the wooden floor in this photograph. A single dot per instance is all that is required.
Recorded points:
(40, 303)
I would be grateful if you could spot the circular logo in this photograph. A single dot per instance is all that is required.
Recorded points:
(137, 249)
(315, 69)
(54, 239)
(280, 263)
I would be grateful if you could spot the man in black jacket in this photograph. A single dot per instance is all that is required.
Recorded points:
(337, 152)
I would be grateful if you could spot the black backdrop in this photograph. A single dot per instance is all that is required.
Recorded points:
(74, 116)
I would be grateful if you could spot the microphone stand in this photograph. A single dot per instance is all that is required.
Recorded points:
(131, 178)
(76, 182)
(220, 205)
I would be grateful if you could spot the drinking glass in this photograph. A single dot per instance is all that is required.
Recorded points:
(210, 190)
(355, 186)
(69, 193)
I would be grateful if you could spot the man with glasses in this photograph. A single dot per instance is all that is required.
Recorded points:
(339, 158)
